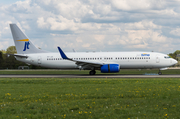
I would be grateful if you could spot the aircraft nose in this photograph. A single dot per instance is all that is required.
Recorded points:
(174, 61)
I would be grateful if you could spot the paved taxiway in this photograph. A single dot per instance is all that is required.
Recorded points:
(89, 76)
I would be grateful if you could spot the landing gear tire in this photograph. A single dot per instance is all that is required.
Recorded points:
(160, 73)
(93, 72)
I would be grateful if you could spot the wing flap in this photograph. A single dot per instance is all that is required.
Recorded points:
(88, 63)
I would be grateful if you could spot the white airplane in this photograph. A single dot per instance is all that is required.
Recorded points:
(106, 62)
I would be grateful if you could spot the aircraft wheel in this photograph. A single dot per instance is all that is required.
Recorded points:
(93, 72)
(90, 73)
(160, 73)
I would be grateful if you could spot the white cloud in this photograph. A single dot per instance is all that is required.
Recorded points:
(3, 44)
(99, 38)
(61, 23)
(176, 32)
(41, 23)
(168, 12)
(21, 6)
(138, 4)
(145, 24)
(79, 40)
(86, 45)
(95, 24)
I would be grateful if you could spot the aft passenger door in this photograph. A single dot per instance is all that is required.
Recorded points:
(39, 60)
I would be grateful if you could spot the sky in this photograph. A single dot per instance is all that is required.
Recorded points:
(94, 25)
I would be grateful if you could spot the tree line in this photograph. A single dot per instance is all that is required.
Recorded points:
(174, 55)
(9, 61)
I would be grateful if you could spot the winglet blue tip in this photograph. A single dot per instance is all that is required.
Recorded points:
(62, 54)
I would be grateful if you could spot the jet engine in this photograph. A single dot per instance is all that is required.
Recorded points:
(110, 68)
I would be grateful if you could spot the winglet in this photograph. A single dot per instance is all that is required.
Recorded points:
(62, 54)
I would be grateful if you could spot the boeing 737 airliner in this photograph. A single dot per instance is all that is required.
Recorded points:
(106, 62)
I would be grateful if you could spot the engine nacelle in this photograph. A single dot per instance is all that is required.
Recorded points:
(110, 68)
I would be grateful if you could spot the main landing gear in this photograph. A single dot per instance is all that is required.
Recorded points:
(92, 72)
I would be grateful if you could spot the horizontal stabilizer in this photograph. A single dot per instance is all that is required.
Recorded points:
(21, 56)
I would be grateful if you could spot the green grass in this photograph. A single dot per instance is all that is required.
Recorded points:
(122, 72)
(79, 98)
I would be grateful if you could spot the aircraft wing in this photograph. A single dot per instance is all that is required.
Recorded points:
(87, 64)
(82, 63)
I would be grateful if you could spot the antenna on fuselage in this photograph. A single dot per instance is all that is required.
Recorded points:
(73, 50)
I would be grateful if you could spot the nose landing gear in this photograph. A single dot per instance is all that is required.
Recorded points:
(160, 73)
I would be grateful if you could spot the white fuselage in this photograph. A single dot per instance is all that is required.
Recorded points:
(126, 60)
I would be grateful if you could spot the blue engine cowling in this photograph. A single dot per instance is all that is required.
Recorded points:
(110, 68)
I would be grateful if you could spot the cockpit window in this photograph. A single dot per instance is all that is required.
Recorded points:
(166, 57)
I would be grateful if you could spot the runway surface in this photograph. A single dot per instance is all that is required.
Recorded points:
(89, 76)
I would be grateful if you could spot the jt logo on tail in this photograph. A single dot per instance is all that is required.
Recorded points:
(26, 46)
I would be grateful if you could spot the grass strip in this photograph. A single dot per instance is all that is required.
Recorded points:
(122, 72)
(89, 98)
